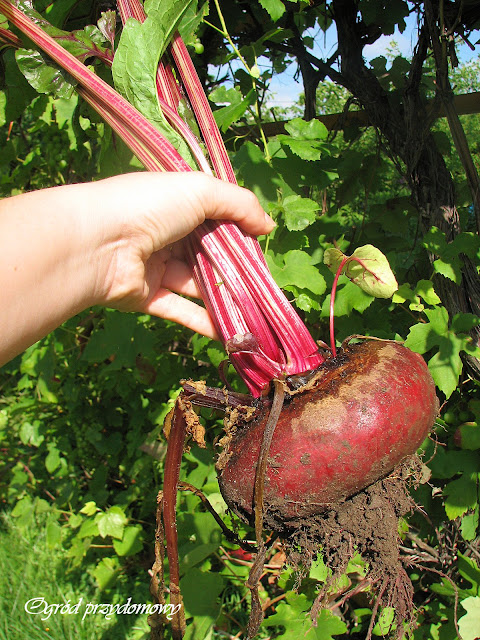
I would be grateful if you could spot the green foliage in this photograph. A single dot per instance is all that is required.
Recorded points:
(81, 411)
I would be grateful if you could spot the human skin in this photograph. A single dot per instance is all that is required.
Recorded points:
(115, 243)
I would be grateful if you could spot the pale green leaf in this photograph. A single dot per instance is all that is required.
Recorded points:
(29, 434)
(332, 258)
(3, 104)
(111, 523)
(385, 623)
(293, 615)
(304, 149)
(369, 269)
(403, 293)
(89, 529)
(469, 624)
(89, 508)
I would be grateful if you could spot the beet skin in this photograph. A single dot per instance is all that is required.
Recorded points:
(362, 413)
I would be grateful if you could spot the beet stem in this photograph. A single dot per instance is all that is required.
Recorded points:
(176, 441)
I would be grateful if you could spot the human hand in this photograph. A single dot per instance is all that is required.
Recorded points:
(146, 219)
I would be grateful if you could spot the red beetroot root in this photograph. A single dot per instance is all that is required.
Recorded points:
(360, 415)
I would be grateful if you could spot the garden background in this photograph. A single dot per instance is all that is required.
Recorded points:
(81, 411)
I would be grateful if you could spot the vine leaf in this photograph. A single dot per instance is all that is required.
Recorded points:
(367, 267)
(275, 8)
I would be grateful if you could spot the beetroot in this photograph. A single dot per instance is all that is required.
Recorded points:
(361, 414)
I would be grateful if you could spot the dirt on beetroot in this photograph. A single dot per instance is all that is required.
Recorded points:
(367, 523)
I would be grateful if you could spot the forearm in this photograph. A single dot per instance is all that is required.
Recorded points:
(48, 265)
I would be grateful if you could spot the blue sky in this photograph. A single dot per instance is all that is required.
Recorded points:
(285, 89)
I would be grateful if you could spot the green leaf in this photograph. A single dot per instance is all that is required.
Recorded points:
(421, 338)
(349, 298)
(306, 130)
(250, 164)
(106, 572)
(200, 592)
(438, 318)
(29, 433)
(469, 436)
(461, 495)
(464, 322)
(425, 290)
(3, 105)
(111, 523)
(384, 623)
(275, 8)
(233, 111)
(306, 139)
(446, 365)
(136, 61)
(293, 615)
(451, 270)
(435, 242)
(469, 525)
(52, 461)
(121, 340)
(469, 624)
(469, 569)
(17, 92)
(297, 270)
(53, 534)
(299, 212)
(89, 529)
(42, 75)
(131, 543)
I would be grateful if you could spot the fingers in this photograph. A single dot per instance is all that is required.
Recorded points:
(225, 201)
(168, 206)
(178, 278)
(170, 306)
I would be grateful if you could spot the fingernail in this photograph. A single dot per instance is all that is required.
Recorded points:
(270, 221)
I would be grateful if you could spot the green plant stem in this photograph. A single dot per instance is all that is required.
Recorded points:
(332, 305)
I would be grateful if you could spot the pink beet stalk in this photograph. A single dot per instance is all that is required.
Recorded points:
(262, 333)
